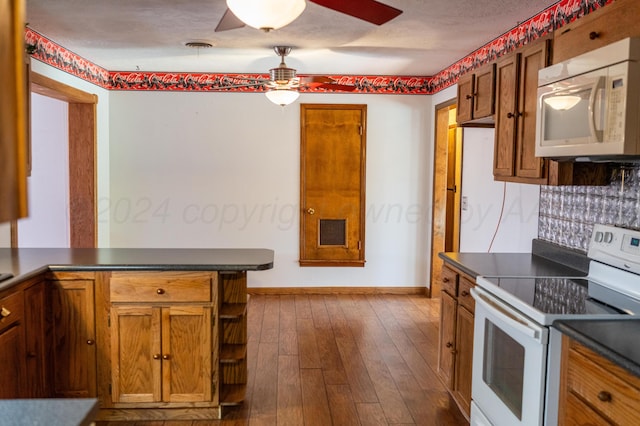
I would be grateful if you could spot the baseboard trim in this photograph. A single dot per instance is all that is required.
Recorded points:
(337, 290)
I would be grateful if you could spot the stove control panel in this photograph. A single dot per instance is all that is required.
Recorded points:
(615, 246)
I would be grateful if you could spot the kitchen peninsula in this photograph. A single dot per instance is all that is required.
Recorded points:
(151, 333)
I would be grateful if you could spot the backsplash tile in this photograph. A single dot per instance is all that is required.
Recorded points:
(568, 213)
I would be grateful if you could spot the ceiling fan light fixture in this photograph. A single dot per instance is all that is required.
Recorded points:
(266, 15)
(282, 97)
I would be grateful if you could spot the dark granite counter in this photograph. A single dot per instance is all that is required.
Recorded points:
(48, 412)
(508, 265)
(26, 262)
(616, 340)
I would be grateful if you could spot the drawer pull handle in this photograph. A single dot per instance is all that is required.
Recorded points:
(445, 280)
(604, 396)
(156, 356)
(166, 356)
(464, 293)
(4, 312)
(593, 35)
(160, 291)
(90, 342)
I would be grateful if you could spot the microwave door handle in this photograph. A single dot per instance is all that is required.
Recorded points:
(595, 109)
(504, 314)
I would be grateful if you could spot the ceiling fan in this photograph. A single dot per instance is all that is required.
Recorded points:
(256, 13)
(283, 82)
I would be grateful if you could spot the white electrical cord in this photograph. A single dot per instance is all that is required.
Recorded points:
(504, 197)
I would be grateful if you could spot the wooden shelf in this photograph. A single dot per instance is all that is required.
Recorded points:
(233, 310)
(232, 395)
(232, 353)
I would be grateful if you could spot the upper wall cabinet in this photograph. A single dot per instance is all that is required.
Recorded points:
(599, 28)
(515, 114)
(476, 97)
(13, 111)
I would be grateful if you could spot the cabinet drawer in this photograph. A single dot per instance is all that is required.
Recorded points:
(599, 28)
(449, 280)
(464, 294)
(159, 287)
(605, 392)
(11, 309)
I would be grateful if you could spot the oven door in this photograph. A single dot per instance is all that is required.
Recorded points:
(509, 362)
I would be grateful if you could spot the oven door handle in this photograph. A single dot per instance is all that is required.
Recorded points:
(506, 315)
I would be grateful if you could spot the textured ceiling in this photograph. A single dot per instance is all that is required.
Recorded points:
(150, 35)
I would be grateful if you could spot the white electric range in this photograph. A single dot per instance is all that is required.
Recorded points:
(516, 359)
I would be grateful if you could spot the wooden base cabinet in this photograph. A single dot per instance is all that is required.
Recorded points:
(456, 335)
(594, 390)
(73, 332)
(12, 345)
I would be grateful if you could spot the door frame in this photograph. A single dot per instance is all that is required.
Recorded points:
(82, 111)
(445, 217)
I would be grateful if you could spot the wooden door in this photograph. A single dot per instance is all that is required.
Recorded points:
(136, 355)
(447, 343)
(532, 59)
(464, 111)
(186, 354)
(332, 185)
(74, 349)
(447, 182)
(483, 96)
(505, 115)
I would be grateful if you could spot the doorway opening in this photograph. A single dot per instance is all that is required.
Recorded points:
(82, 202)
(447, 187)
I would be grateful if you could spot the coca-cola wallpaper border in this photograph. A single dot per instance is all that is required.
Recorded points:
(554, 17)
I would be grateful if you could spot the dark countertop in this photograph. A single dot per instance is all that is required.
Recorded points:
(26, 262)
(48, 412)
(616, 340)
(508, 265)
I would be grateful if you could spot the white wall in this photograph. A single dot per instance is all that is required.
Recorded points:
(519, 224)
(48, 186)
(222, 170)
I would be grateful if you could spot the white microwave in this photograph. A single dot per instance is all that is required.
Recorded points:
(588, 107)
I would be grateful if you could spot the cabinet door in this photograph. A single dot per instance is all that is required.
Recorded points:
(136, 357)
(12, 347)
(505, 115)
(484, 90)
(447, 338)
(532, 59)
(73, 329)
(463, 359)
(464, 111)
(186, 354)
(35, 325)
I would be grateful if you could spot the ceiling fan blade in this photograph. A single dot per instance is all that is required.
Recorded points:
(315, 79)
(367, 10)
(336, 86)
(229, 21)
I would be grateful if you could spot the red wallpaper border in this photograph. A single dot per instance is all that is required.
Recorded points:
(552, 18)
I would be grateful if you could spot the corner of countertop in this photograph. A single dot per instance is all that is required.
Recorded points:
(573, 258)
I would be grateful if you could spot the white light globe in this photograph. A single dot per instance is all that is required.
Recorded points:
(266, 15)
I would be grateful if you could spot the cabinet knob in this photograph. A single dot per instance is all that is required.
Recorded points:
(311, 211)
(604, 396)
(160, 291)
(445, 280)
(594, 35)
(156, 356)
(166, 356)
(4, 312)
(464, 293)
(449, 344)
(513, 114)
(90, 342)
(469, 96)
(31, 354)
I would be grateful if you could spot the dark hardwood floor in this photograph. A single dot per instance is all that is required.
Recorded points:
(340, 360)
